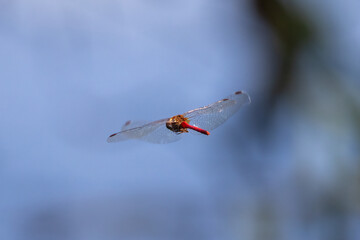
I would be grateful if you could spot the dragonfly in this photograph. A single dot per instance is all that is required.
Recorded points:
(172, 129)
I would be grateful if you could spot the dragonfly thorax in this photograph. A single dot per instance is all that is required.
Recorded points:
(174, 124)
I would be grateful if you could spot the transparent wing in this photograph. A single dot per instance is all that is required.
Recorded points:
(213, 115)
(155, 132)
(133, 124)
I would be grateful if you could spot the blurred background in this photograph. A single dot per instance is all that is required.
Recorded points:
(287, 166)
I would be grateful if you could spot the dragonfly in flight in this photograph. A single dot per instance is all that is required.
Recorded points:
(200, 120)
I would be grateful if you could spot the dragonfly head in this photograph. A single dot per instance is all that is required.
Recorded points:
(174, 124)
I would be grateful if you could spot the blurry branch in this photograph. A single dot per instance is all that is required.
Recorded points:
(292, 31)
(341, 89)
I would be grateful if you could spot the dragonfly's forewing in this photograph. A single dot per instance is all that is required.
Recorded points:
(133, 124)
(213, 115)
(155, 132)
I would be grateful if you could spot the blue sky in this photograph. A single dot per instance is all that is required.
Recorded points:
(73, 72)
